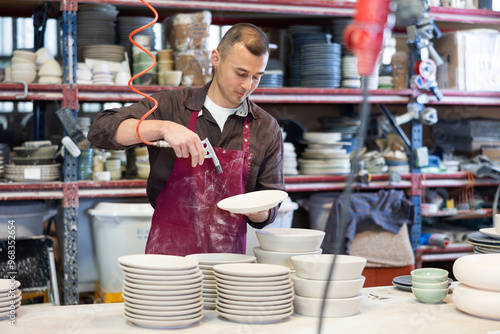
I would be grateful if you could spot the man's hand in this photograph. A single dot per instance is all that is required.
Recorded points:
(184, 142)
(258, 217)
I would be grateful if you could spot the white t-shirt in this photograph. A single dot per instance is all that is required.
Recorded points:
(219, 113)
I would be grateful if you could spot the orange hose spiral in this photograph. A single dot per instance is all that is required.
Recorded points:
(144, 72)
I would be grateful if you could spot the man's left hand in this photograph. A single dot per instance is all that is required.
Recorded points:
(258, 217)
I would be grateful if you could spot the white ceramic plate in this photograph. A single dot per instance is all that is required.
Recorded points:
(17, 293)
(209, 306)
(164, 318)
(163, 313)
(7, 303)
(255, 298)
(260, 319)
(256, 293)
(480, 271)
(481, 303)
(220, 258)
(252, 281)
(246, 303)
(181, 302)
(158, 262)
(161, 279)
(490, 232)
(141, 296)
(257, 288)
(255, 306)
(251, 269)
(194, 305)
(254, 201)
(160, 324)
(160, 288)
(158, 293)
(5, 285)
(131, 270)
(266, 313)
(6, 312)
(151, 284)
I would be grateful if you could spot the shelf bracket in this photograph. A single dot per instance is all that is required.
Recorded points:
(70, 96)
(70, 195)
(69, 5)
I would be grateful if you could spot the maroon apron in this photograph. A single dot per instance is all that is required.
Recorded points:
(186, 219)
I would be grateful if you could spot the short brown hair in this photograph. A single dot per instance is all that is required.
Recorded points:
(254, 39)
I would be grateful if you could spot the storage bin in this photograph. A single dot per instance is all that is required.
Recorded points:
(118, 229)
(28, 217)
(319, 206)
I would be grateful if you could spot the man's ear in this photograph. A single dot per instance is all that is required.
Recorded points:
(215, 58)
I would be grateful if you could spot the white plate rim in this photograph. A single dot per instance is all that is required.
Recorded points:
(162, 302)
(490, 232)
(251, 269)
(164, 324)
(270, 280)
(158, 262)
(255, 298)
(161, 298)
(249, 199)
(245, 319)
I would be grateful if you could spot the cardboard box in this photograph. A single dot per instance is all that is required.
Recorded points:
(471, 60)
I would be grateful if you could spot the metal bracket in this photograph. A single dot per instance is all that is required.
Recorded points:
(416, 185)
(70, 195)
(70, 96)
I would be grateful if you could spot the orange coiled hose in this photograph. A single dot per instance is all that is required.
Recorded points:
(144, 72)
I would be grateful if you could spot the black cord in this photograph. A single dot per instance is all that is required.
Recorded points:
(346, 194)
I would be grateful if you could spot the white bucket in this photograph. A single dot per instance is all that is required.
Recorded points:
(118, 229)
(319, 206)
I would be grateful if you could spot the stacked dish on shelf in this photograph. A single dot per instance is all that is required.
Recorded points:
(324, 154)
(320, 65)
(10, 298)
(206, 262)
(4, 157)
(289, 159)
(345, 283)
(479, 290)
(162, 291)
(278, 245)
(253, 292)
(33, 161)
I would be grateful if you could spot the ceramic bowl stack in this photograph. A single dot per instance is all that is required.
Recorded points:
(161, 291)
(142, 162)
(126, 24)
(206, 263)
(83, 74)
(479, 290)
(324, 154)
(278, 245)
(23, 66)
(10, 298)
(350, 75)
(253, 292)
(429, 285)
(289, 159)
(345, 283)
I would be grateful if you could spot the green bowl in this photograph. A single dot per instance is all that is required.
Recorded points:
(430, 296)
(429, 275)
(439, 285)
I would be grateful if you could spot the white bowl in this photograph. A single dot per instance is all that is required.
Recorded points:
(143, 173)
(281, 258)
(23, 76)
(481, 271)
(50, 68)
(336, 289)
(170, 78)
(42, 56)
(290, 239)
(334, 308)
(49, 80)
(19, 60)
(28, 55)
(481, 303)
(317, 266)
(23, 67)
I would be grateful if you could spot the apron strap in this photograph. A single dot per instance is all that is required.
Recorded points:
(246, 128)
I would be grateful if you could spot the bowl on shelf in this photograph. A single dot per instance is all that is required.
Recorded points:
(480, 271)
(430, 296)
(280, 258)
(336, 289)
(317, 267)
(334, 308)
(50, 68)
(23, 76)
(429, 275)
(290, 239)
(28, 55)
(42, 152)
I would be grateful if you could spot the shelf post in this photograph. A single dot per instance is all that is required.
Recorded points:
(416, 185)
(70, 201)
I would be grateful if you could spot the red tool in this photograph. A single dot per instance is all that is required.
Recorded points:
(365, 35)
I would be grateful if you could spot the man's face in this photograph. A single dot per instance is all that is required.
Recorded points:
(237, 75)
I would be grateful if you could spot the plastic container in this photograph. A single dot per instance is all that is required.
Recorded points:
(319, 206)
(28, 217)
(118, 229)
(284, 219)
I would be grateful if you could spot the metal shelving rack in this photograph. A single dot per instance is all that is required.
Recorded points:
(70, 190)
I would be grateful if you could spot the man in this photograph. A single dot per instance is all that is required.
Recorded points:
(182, 187)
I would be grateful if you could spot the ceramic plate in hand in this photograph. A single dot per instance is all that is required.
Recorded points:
(254, 201)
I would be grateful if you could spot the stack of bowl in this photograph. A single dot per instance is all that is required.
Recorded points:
(206, 263)
(278, 245)
(479, 290)
(50, 71)
(429, 285)
(23, 66)
(142, 162)
(312, 275)
(161, 291)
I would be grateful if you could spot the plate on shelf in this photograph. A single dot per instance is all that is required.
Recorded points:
(254, 201)
(490, 232)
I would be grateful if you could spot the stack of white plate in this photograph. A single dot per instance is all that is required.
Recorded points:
(324, 154)
(161, 291)
(206, 263)
(9, 292)
(289, 159)
(253, 292)
(108, 52)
